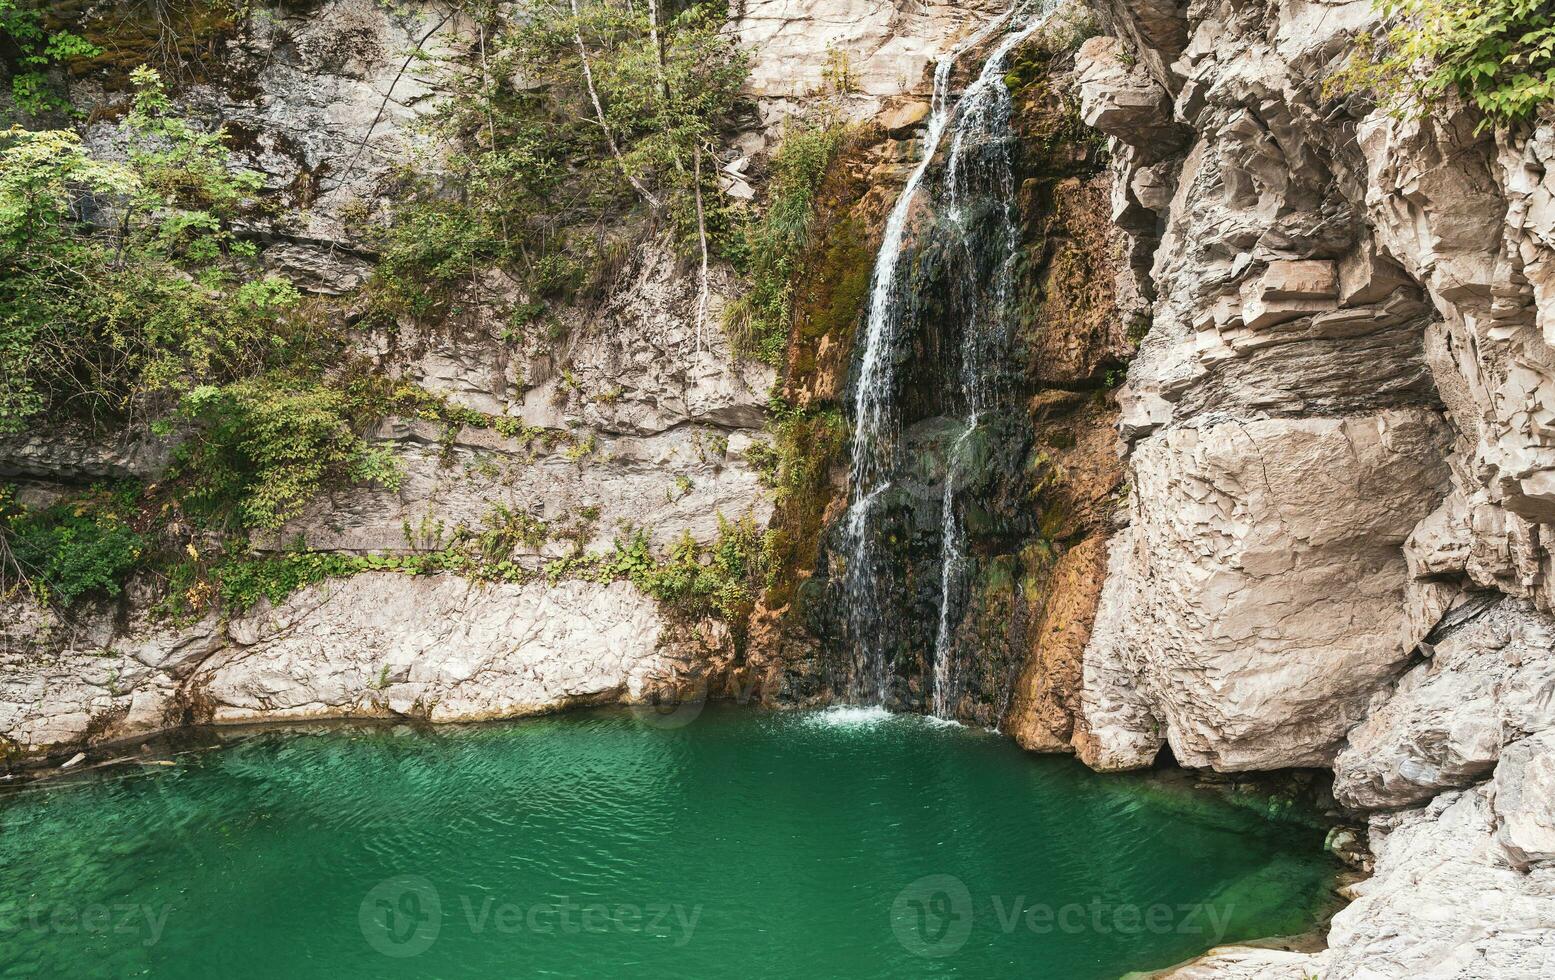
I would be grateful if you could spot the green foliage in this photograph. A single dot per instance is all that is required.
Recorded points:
(125, 297)
(266, 445)
(241, 582)
(76, 548)
(806, 444)
(38, 52)
(535, 174)
(696, 580)
(121, 283)
(430, 249)
(701, 581)
(758, 320)
(1499, 54)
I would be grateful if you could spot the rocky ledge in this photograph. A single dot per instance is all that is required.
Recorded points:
(376, 645)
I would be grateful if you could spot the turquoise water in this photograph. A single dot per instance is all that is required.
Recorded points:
(744, 844)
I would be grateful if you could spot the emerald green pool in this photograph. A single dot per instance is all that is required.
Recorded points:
(744, 844)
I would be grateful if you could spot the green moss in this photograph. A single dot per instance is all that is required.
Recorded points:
(1037, 559)
(839, 286)
(806, 446)
(774, 246)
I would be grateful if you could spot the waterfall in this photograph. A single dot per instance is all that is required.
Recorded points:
(974, 194)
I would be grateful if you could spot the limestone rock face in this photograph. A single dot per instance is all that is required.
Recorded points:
(67, 457)
(1314, 270)
(381, 644)
(1523, 788)
(378, 645)
(1116, 727)
(1340, 467)
(1483, 917)
(887, 47)
(1444, 902)
(1443, 724)
(319, 99)
(1119, 97)
(1271, 581)
(581, 492)
(66, 681)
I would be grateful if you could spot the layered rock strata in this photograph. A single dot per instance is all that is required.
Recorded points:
(1335, 545)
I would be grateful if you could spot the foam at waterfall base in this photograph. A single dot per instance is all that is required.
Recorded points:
(849, 716)
(871, 716)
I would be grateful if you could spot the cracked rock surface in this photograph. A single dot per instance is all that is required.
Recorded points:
(1340, 469)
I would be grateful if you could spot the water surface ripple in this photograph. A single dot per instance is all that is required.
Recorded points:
(745, 844)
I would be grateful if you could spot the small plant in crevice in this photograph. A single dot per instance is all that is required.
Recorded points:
(581, 449)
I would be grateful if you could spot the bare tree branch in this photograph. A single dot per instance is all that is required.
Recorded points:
(702, 287)
(386, 95)
(599, 110)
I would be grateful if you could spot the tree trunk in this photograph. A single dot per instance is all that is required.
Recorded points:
(658, 46)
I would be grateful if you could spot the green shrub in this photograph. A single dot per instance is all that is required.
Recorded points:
(75, 549)
(121, 283)
(243, 581)
(529, 171)
(716, 580)
(260, 448)
(1499, 54)
(430, 248)
(37, 51)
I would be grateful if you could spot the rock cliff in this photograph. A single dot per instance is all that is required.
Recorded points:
(1334, 553)
(629, 413)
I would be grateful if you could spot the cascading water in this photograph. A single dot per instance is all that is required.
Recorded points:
(972, 200)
